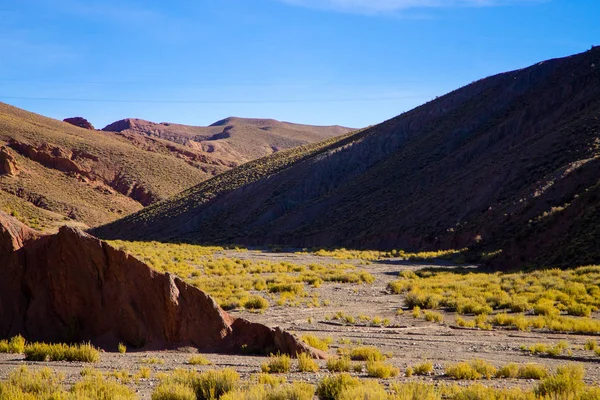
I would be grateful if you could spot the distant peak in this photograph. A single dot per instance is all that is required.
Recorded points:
(80, 122)
(127, 123)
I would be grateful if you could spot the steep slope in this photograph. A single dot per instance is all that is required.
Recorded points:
(498, 164)
(234, 140)
(53, 172)
(73, 287)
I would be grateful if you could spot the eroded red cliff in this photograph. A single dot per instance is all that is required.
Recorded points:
(73, 287)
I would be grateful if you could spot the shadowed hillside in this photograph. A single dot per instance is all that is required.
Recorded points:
(505, 163)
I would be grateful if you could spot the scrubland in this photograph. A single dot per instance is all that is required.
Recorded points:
(394, 328)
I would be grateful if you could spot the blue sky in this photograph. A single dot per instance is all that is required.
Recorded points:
(347, 62)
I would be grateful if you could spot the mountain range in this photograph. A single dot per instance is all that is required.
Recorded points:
(53, 173)
(507, 165)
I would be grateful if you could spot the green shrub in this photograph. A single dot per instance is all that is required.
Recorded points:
(199, 360)
(61, 352)
(16, 345)
(341, 364)
(256, 303)
(473, 370)
(291, 391)
(366, 390)
(306, 363)
(173, 391)
(509, 371)
(366, 353)
(331, 386)
(579, 310)
(433, 316)
(211, 385)
(425, 368)
(379, 369)
(317, 343)
(532, 371)
(567, 381)
(484, 368)
(591, 344)
(277, 364)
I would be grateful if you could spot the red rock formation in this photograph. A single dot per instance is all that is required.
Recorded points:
(65, 160)
(74, 287)
(80, 122)
(8, 165)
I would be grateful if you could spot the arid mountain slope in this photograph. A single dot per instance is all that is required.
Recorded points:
(53, 172)
(508, 162)
(235, 140)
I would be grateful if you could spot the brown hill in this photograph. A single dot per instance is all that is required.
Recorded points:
(52, 171)
(508, 163)
(236, 140)
(73, 287)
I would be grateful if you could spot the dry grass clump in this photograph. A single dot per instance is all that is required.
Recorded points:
(277, 364)
(340, 364)
(476, 369)
(122, 348)
(23, 384)
(379, 369)
(549, 294)
(332, 386)
(306, 363)
(368, 390)
(61, 352)
(173, 391)
(566, 383)
(256, 303)
(199, 360)
(209, 385)
(425, 368)
(549, 350)
(284, 391)
(366, 353)
(153, 361)
(591, 344)
(317, 343)
(16, 345)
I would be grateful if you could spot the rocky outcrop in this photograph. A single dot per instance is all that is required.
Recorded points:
(74, 287)
(78, 162)
(80, 122)
(8, 164)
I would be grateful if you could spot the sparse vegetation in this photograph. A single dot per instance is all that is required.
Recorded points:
(15, 345)
(199, 360)
(331, 386)
(379, 369)
(61, 352)
(560, 300)
(425, 368)
(317, 343)
(340, 364)
(306, 363)
(277, 364)
(122, 348)
(366, 353)
(231, 281)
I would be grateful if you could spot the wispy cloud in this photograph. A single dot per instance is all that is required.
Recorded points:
(387, 6)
